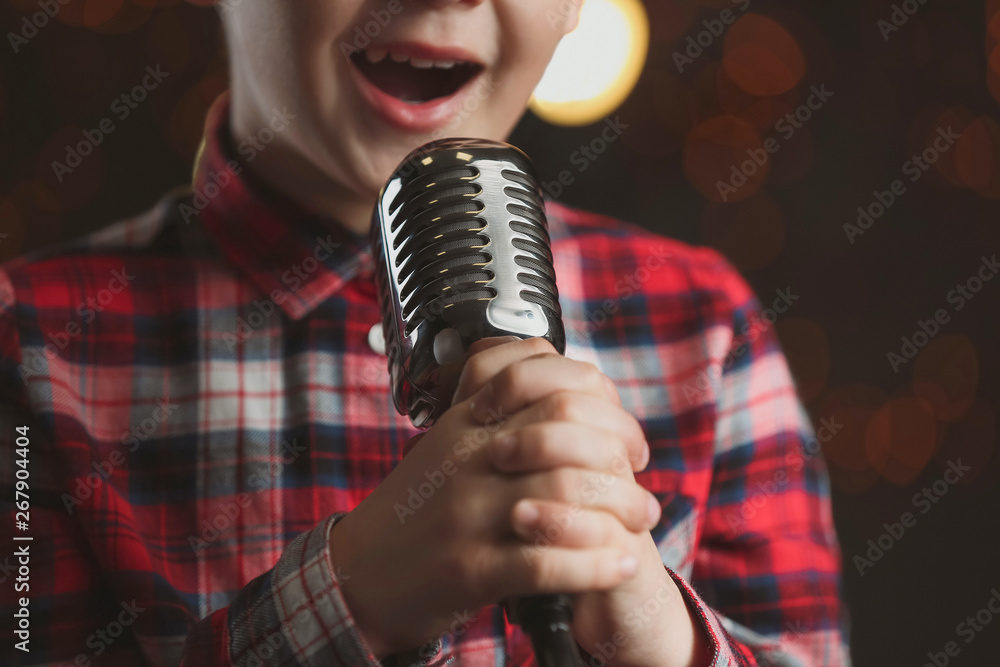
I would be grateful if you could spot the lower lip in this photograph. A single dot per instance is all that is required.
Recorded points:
(423, 117)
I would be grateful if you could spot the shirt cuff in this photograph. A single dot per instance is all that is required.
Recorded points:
(726, 651)
(296, 614)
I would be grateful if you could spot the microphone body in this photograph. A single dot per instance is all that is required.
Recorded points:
(462, 252)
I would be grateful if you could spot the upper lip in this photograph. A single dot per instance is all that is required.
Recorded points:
(423, 51)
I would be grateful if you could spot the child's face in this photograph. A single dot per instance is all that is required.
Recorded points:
(355, 119)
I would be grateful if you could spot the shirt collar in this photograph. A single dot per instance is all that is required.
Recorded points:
(297, 258)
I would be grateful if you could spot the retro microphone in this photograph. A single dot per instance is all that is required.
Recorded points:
(462, 252)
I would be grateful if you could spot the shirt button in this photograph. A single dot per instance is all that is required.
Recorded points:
(375, 339)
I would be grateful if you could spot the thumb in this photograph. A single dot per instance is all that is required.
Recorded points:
(454, 371)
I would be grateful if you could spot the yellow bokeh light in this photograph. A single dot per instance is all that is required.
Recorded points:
(596, 66)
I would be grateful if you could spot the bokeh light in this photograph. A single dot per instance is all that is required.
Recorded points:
(762, 57)
(596, 66)
(900, 438)
(971, 439)
(946, 375)
(718, 159)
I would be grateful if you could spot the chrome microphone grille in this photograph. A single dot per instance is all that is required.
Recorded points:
(462, 252)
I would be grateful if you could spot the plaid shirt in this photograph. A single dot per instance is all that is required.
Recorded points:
(203, 403)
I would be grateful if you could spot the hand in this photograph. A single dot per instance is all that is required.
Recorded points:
(434, 541)
(643, 620)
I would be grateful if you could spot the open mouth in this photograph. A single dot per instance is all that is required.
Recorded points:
(413, 80)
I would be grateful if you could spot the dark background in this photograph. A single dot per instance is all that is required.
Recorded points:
(684, 132)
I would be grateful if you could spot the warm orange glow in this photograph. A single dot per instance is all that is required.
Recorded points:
(850, 405)
(973, 439)
(762, 57)
(974, 158)
(900, 438)
(714, 151)
(946, 374)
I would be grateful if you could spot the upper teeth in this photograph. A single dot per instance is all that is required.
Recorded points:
(378, 55)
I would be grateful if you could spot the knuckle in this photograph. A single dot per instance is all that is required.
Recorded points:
(612, 531)
(471, 569)
(539, 345)
(592, 374)
(621, 462)
(545, 571)
(639, 506)
(561, 407)
(543, 441)
(510, 380)
(565, 484)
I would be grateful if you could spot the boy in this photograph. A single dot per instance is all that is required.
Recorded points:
(216, 469)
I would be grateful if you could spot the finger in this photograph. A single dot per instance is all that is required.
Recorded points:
(529, 380)
(564, 525)
(412, 442)
(483, 364)
(535, 570)
(635, 507)
(548, 445)
(577, 408)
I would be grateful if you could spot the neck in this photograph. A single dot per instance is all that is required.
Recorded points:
(288, 172)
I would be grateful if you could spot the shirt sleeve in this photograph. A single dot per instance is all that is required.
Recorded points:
(766, 576)
(294, 614)
(66, 600)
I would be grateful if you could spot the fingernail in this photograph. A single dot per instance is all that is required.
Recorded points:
(654, 510)
(628, 565)
(525, 514)
(481, 403)
(503, 447)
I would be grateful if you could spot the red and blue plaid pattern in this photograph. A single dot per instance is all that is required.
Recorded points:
(203, 404)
